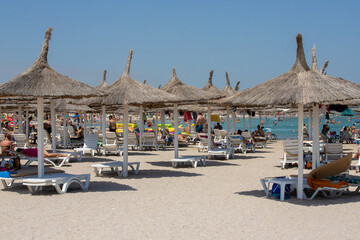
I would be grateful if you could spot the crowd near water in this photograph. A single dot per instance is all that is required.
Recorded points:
(286, 127)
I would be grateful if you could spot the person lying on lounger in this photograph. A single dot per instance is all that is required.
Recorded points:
(33, 152)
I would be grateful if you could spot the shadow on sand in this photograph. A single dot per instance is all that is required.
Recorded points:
(95, 186)
(319, 200)
(209, 163)
(155, 173)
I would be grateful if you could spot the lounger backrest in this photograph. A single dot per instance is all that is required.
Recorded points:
(290, 148)
(217, 133)
(334, 148)
(91, 141)
(21, 140)
(203, 140)
(236, 141)
(223, 133)
(71, 131)
(336, 167)
(2, 137)
(132, 139)
(111, 138)
(247, 136)
(148, 138)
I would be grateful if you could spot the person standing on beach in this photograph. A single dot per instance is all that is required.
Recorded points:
(112, 124)
(200, 121)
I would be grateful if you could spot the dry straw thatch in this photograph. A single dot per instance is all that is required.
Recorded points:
(103, 85)
(65, 105)
(186, 92)
(211, 88)
(228, 90)
(40, 80)
(126, 90)
(300, 85)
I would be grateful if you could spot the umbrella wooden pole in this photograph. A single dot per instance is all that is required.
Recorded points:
(300, 152)
(1, 121)
(20, 119)
(65, 128)
(103, 124)
(141, 125)
(176, 129)
(316, 140)
(85, 122)
(40, 139)
(53, 125)
(310, 124)
(250, 122)
(156, 124)
(209, 127)
(14, 121)
(227, 125)
(91, 120)
(125, 133)
(260, 118)
(233, 122)
(163, 122)
(27, 124)
(244, 125)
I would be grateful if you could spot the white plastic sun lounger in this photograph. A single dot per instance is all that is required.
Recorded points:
(226, 152)
(114, 166)
(21, 173)
(61, 182)
(326, 191)
(53, 161)
(188, 159)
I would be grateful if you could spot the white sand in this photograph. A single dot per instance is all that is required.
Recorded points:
(223, 200)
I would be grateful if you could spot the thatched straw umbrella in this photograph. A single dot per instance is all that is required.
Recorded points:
(211, 88)
(193, 95)
(103, 85)
(126, 91)
(41, 81)
(299, 86)
(229, 91)
(184, 91)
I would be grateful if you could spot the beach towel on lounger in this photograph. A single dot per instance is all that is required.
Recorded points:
(316, 176)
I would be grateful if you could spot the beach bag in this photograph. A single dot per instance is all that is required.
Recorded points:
(275, 190)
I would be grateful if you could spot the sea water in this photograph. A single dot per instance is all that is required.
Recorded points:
(287, 127)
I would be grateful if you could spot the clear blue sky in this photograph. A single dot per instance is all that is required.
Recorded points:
(253, 40)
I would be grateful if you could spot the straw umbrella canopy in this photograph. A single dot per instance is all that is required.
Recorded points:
(193, 95)
(41, 81)
(228, 90)
(299, 86)
(126, 91)
(184, 91)
(211, 88)
(64, 105)
(103, 85)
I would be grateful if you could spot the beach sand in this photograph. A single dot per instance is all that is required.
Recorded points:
(223, 200)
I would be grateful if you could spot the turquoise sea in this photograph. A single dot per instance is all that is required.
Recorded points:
(287, 128)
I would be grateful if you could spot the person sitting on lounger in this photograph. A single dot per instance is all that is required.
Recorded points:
(33, 152)
(7, 144)
(239, 132)
(259, 132)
